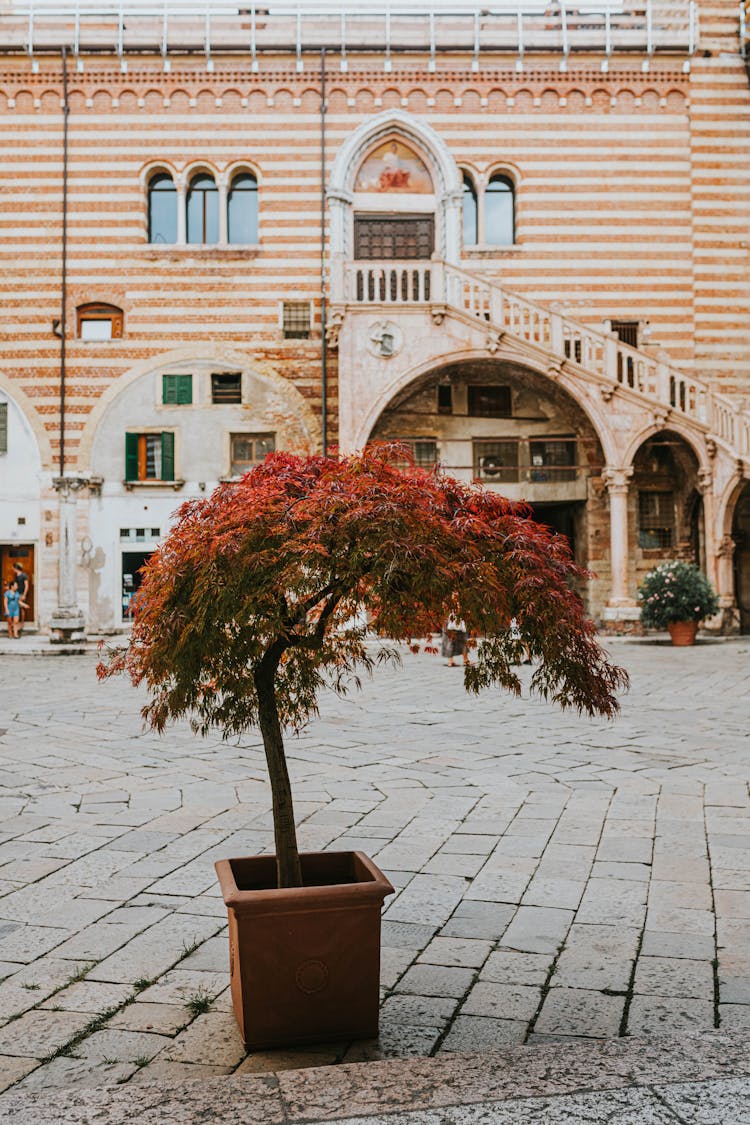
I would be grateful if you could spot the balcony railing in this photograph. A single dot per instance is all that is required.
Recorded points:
(410, 284)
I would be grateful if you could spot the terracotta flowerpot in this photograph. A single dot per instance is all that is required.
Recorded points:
(683, 632)
(304, 962)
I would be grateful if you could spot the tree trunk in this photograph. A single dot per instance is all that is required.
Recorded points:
(289, 873)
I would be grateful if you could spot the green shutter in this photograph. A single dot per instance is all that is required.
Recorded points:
(3, 427)
(177, 390)
(131, 456)
(184, 390)
(169, 389)
(167, 456)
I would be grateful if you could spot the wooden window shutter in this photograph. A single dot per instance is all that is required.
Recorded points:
(167, 456)
(3, 427)
(177, 390)
(131, 456)
(169, 389)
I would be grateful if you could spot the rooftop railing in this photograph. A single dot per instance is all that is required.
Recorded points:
(346, 27)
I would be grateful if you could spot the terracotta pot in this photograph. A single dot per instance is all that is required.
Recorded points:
(304, 962)
(683, 632)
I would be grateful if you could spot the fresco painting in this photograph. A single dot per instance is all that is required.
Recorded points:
(392, 167)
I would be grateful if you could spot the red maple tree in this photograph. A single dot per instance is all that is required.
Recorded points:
(256, 599)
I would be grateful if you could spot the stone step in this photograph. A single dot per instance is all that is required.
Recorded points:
(702, 1078)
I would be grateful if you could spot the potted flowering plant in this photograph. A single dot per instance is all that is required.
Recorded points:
(257, 598)
(676, 596)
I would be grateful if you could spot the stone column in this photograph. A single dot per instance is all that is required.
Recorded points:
(67, 618)
(180, 183)
(725, 581)
(222, 184)
(706, 489)
(452, 225)
(618, 483)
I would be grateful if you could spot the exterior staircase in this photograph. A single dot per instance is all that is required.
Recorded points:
(565, 344)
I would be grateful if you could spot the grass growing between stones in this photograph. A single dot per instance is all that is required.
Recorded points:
(198, 1003)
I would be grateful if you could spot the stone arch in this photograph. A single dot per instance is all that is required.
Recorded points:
(727, 503)
(309, 101)
(179, 101)
(223, 358)
(471, 101)
(50, 101)
(436, 155)
(128, 102)
(231, 100)
(24, 101)
(33, 422)
(403, 379)
(693, 439)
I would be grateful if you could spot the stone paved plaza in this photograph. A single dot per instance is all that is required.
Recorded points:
(557, 877)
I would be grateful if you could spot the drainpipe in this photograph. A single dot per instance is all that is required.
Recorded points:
(323, 353)
(67, 620)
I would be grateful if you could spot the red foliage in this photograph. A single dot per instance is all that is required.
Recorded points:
(262, 586)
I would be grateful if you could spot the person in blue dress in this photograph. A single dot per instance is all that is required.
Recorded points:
(12, 605)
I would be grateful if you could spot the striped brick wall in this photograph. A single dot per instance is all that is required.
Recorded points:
(632, 201)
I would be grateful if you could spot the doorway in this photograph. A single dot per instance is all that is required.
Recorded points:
(562, 518)
(132, 562)
(741, 537)
(393, 237)
(22, 553)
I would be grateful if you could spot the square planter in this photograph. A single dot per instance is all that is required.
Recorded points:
(304, 962)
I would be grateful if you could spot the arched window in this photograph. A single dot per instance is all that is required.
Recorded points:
(97, 321)
(470, 213)
(242, 210)
(203, 210)
(162, 209)
(499, 212)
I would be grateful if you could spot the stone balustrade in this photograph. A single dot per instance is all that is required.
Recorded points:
(441, 285)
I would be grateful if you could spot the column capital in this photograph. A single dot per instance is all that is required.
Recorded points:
(73, 484)
(617, 480)
(705, 480)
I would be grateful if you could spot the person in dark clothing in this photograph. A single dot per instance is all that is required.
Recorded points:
(21, 580)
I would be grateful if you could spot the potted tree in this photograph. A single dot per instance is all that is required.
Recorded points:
(676, 596)
(255, 601)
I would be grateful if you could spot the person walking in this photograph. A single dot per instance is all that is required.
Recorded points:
(11, 600)
(22, 582)
(454, 642)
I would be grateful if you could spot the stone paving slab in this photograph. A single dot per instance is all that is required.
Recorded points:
(557, 877)
(670, 1081)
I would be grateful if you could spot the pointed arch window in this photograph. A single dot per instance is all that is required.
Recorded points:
(203, 210)
(162, 209)
(242, 210)
(470, 212)
(499, 212)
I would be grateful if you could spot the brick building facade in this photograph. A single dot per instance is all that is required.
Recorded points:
(535, 264)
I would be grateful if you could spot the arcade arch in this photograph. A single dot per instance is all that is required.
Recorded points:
(514, 431)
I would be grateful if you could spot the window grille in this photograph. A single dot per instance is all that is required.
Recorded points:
(296, 320)
(487, 401)
(423, 452)
(226, 388)
(249, 450)
(655, 520)
(552, 460)
(626, 331)
(496, 461)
